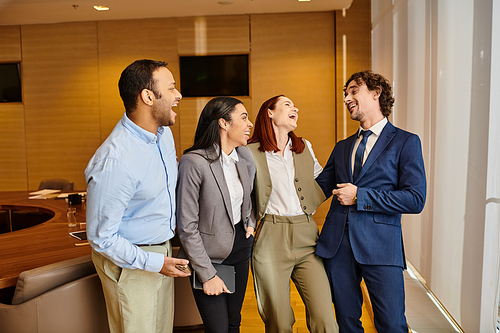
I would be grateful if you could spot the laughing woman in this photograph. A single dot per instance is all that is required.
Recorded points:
(286, 197)
(214, 217)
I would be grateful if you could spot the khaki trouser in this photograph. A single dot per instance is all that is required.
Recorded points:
(137, 300)
(284, 249)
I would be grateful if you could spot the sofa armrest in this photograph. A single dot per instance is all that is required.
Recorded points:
(35, 282)
(76, 307)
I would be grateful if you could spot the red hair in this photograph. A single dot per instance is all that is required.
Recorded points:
(264, 132)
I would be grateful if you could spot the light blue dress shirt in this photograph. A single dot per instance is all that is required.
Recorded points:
(131, 183)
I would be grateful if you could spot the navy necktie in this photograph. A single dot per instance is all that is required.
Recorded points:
(358, 157)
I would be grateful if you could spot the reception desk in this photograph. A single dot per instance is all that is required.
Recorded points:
(40, 245)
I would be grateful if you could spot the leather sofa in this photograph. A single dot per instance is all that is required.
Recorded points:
(67, 297)
(61, 297)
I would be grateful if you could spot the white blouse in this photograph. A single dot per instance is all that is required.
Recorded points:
(284, 200)
(233, 183)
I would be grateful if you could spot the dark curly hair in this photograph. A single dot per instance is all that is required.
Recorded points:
(375, 82)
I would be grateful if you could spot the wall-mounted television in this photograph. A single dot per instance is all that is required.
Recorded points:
(10, 82)
(214, 75)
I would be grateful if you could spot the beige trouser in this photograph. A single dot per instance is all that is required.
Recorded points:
(284, 249)
(137, 300)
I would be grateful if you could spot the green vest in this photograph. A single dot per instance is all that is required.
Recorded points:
(308, 191)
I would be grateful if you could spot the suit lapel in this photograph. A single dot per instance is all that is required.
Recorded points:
(386, 136)
(348, 153)
(218, 173)
(245, 182)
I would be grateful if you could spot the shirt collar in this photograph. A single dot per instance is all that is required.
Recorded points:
(144, 135)
(376, 129)
(233, 157)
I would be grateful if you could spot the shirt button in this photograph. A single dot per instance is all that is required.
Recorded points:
(299, 189)
(305, 207)
(296, 180)
(301, 198)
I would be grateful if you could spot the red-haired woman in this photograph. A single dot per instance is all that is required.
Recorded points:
(286, 196)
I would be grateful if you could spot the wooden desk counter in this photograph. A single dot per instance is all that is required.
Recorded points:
(40, 245)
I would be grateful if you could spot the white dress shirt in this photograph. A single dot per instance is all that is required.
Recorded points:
(233, 183)
(284, 200)
(372, 139)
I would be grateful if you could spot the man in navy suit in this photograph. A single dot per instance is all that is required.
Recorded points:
(372, 187)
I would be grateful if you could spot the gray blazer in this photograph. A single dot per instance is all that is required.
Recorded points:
(204, 214)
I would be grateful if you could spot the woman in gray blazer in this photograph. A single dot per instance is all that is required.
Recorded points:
(214, 210)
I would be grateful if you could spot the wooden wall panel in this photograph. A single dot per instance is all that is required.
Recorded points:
(120, 44)
(188, 119)
(297, 60)
(355, 28)
(13, 173)
(213, 35)
(71, 72)
(10, 43)
(61, 100)
(202, 36)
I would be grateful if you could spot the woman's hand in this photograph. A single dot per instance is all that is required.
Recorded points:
(250, 231)
(215, 286)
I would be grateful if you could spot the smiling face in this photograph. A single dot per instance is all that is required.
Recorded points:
(285, 115)
(166, 96)
(361, 103)
(238, 129)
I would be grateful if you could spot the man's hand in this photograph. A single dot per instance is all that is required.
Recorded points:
(250, 231)
(169, 268)
(346, 193)
(214, 286)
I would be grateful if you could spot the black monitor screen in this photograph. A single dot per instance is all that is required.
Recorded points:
(219, 75)
(10, 83)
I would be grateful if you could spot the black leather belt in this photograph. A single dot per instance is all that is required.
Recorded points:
(160, 244)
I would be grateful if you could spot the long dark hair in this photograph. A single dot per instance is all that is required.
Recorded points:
(264, 132)
(207, 131)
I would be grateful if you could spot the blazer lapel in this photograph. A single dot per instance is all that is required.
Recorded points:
(386, 136)
(348, 153)
(218, 173)
(245, 182)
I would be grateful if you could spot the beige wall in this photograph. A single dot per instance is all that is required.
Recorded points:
(70, 73)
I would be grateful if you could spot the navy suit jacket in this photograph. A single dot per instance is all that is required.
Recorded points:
(392, 182)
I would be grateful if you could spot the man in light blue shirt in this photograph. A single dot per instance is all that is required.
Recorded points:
(131, 183)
